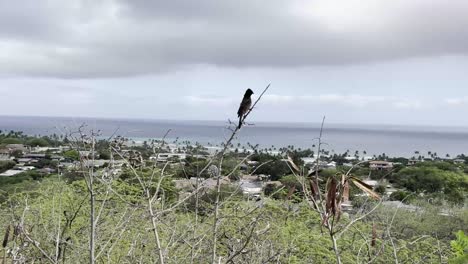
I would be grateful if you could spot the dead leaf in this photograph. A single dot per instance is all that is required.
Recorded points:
(365, 187)
(293, 165)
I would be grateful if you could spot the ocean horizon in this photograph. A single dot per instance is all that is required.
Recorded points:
(393, 140)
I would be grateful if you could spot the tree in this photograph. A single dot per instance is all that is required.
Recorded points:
(275, 169)
(6, 165)
(71, 154)
(10, 140)
(37, 142)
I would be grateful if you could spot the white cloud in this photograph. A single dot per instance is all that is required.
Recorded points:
(346, 100)
(91, 39)
(208, 101)
(407, 104)
(352, 99)
(457, 101)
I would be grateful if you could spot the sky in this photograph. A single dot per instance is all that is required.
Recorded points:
(356, 61)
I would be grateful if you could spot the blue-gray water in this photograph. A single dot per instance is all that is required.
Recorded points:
(392, 140)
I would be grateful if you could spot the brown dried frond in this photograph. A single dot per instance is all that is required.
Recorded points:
(6, 237)
(374, 235)
(365, 187)
(331, 196)
(314, 188)
(293, 165)
(346, 192)
(292, 189)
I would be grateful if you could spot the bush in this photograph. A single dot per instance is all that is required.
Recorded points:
(41, 142)
(381, 189)
(71, 154)
(460, 248)
(207, 199)
(400, 196)
(276, 169)
(11, 141)
(18, 178)
(6, 165)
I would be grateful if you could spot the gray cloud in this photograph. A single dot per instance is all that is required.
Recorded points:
(109, 38)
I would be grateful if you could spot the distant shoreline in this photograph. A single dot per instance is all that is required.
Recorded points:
(375, 140)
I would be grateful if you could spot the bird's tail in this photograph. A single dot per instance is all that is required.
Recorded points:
(240, 122)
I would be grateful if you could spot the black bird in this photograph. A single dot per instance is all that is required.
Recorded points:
(244, 106)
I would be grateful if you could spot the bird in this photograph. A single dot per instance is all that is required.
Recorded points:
(244, 106)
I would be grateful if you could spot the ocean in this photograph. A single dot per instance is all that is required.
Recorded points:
(374, 139)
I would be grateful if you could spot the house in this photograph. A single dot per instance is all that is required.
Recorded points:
(95, 163)
(331, 165)
(25, 161)
(4, 154)
(15, 147)
(458, 161)
(4, 157)
(85, 154)
(251, 187)
(164, 157)
(371, 183)
(9, 173)
(380, 165)
(34, 156)
(413, 162)
(56, 157)
(252, 162)
(308, 160)
(351, 158)
(46, 170)
(24, 168)
(55, 150)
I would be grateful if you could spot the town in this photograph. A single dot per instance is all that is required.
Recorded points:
(256, 172)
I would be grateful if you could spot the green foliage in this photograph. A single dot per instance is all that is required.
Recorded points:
(11, 141)
(6, 165)
(167, 189)
(24, 176)
(276, 169)
(46, 163)
(400, 196)
(104, 155)
(441, 165)
(207, 198)
(269, 230)
(327, 173)
(17, 153)
(434, 179)
(276, 192)
(192, 168)
(71, 154)
(362, 172)
(460, 248)
(284, 232)
(230, 168)
(380, 174)
(37, 142)
(380, 189)
(25, 181)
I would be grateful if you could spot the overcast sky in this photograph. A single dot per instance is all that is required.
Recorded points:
(355, 61)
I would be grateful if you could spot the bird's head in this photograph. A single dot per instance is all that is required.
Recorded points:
(249, 92)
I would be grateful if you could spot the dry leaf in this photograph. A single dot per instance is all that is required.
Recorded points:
(331, 196)
(293, 165)
(365, 187)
